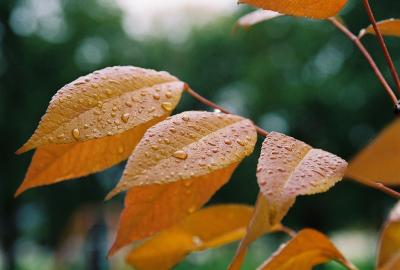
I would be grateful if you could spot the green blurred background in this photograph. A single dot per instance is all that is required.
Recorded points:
(291, 75)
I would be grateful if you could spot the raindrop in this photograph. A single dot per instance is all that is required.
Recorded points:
(156, 96)
(180, 154)
(240, 142)
(168, 94)
(197, 240)
(108, 92)
(167, 106)
(228, 142)
(125, 117)
(154, 147)
(76, 133)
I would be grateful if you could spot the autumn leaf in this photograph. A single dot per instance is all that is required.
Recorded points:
(390, 27)
(306, 250)
(389, 246)
(177, 167)
(104, 103)
(256, 17)
(287, 168)
(317, 9)
(379, 161)
(188, 145)
(57, 162)
(208, 228)
(153, 208)
(96, 121)
(258, 225)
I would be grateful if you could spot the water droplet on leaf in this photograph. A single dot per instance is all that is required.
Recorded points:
(76, 133)
(180, 154)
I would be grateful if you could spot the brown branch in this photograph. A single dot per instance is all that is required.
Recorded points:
(367, 56)
(211, 104)
(292, 233)
(382, 43)
(380, 187)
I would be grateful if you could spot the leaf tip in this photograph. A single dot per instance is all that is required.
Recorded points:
(20, 190)
(21, 150)
(362, 33)
(111, 194)
(112, 251)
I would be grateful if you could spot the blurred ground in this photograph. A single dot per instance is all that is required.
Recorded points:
(290, 75)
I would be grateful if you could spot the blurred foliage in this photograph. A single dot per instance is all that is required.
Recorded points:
(291, 75)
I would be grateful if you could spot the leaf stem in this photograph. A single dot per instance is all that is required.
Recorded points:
(381, 187)
(369, 58)
(211, 104)
(382, 43)
(292, 233)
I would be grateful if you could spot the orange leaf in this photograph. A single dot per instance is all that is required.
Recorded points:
(208, 228)
(257, 16)
(57, 162)
(188, 145)
(389, 246)
(390, 27)
(307, 249)
(379, 161)
(95, 122)
(318, 9)
(152, 208)
(104, 103)
(286, 168)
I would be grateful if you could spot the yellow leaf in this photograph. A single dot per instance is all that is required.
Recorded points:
(105, 103)
(288, 167)
(379, 161)
(389, 246)
(307, 249)
(390, 27)
(257, 16)
(318, 9)
(152, 208)
(258, 225)
(56, 162)
(208, 228)
(188, 145)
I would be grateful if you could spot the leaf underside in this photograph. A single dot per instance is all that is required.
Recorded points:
(208, 228)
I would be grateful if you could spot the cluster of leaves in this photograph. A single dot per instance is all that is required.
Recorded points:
(176, 163)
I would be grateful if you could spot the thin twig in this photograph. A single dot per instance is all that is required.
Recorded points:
(382, 43)
(292, 233)
(264, 133)
(367, 56)
(211, 104)
(381, 187)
